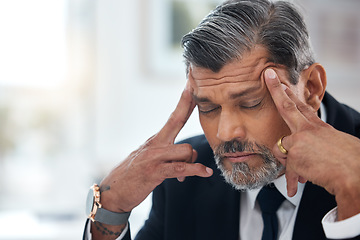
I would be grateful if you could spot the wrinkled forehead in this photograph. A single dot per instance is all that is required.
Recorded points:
(231, 73)
(248, 68)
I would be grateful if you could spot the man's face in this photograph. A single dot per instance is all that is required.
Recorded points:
(239, 118)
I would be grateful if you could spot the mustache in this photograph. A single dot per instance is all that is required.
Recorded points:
(238, 146)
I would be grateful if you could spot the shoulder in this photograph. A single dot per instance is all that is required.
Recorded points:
(341, 116)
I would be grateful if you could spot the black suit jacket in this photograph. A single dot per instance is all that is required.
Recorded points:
(209, 208)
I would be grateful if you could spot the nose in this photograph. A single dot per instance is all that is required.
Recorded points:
(231, 126)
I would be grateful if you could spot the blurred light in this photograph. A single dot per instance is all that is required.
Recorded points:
(32, 43)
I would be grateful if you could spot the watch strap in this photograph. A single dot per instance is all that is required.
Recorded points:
(112, 218)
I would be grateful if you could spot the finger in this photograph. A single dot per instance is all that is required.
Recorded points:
(286, 107)
(278, 154)
(173, 153)
(178, 118)
(181, 179)
(183, 169)
(194, 157)
(303, 108)
(291, 182)
(292, 177)
(302, 180)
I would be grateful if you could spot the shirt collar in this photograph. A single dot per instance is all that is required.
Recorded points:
(280, 184)
(322, 110)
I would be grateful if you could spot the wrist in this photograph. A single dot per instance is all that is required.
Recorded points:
(112, 201)
(109, 201)
(348, 199)
(98, 212)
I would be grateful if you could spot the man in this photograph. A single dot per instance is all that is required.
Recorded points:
(253, 77)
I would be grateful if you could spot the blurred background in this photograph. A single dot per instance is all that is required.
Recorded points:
(85, 82)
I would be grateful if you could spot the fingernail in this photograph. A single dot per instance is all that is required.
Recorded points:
(209, 170)
(270, 73)
(283, 86)
(181, 179)
(292, 192)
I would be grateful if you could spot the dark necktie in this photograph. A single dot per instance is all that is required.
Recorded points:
(270, 199)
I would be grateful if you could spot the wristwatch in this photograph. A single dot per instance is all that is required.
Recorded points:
(98, 213)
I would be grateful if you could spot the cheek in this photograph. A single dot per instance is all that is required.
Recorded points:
(272, 128)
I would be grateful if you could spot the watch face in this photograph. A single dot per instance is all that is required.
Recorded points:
(89, 201)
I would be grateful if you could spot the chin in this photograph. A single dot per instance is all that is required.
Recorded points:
(242, 177)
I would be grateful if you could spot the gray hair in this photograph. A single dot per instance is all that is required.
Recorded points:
(236, 26)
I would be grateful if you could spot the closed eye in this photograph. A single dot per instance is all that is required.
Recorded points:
(208, 111)
(253, 106)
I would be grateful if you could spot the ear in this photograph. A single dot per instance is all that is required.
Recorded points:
(315, 85)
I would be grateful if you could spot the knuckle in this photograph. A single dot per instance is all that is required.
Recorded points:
(154, 152)
(134, 154)
(196, 169)
(303, 108)
(292, 153)
(326, 125)
(187, 149)
(176, 120)
(173, 119)
(151, 154)
(172, 170)
(197, 166)
(150, 141)
(179, 167)
(288, 105)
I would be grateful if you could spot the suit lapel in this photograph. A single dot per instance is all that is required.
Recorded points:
(314, 204)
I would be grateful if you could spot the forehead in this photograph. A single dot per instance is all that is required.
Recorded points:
(248, 68)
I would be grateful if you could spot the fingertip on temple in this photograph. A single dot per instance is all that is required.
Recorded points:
(272, 81)
(270, 73)
(270, 78)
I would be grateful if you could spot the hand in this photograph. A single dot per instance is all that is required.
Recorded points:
(159, 158)
(317, 151)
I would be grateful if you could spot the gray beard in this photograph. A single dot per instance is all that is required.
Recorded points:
(241, 176)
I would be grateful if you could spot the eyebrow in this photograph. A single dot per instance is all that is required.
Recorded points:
(232, 95)
(201, 99)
